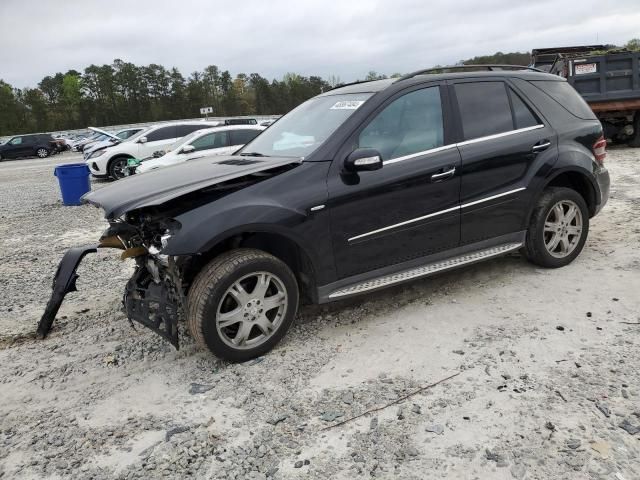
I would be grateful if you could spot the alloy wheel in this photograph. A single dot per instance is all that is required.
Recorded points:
(118, 169)
(563, 228)
(42, 152)
(251, 310)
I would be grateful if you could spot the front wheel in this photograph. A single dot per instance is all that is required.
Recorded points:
(558, 228)
(242, 304)
(42, 153)
(118, 168)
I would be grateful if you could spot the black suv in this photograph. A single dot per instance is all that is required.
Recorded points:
(34, 145)
(362, 187)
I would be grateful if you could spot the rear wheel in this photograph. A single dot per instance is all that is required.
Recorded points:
(242, 304)
(118, 168)
(558, 229)
(42, 152)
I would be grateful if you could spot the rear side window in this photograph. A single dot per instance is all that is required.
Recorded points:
(242, 137)
(565, 95)
(163, 133)
(484, 109)
(184, 130)
(523, 117)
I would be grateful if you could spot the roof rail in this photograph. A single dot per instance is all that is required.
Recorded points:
(489, 67)
(340, 85)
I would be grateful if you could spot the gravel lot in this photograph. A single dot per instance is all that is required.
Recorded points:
(547, 385)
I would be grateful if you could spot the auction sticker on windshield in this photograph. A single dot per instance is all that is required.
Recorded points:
(585, 68)
(347, 105)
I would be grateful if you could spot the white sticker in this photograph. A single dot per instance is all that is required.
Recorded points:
(586, 68)
(347, 105)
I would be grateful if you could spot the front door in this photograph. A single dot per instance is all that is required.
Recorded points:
(504, 142)
(409, 208)
(18, 147)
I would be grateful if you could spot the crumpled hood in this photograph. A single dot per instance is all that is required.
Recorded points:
(159, 186)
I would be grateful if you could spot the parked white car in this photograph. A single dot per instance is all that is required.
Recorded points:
(111, 162)
(202, 143)
(113, 139)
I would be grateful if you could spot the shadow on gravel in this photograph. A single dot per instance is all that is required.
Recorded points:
(407, 293)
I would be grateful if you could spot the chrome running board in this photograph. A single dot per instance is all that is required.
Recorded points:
(425, 270)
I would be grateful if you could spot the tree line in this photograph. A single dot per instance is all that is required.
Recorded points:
(122, 93)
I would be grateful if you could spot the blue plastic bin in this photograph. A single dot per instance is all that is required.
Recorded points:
(74, 182)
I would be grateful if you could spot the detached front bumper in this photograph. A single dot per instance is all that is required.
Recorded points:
(64, 282)
(153, 295)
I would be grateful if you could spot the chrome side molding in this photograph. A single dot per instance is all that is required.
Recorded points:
(435, 214)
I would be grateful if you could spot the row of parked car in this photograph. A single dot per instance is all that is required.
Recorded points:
(142, 148)
(167, 144)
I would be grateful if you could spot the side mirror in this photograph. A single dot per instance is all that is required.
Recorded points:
(362, 160)
(188, 149)
(142, 140)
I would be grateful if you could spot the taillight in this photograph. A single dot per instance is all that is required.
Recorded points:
(600, 149)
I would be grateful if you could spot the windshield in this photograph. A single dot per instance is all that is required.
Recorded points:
(301, 131)
(124, 134)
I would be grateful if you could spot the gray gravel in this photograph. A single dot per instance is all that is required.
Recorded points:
(98, 399)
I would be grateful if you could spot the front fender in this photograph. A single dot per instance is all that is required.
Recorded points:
(203, 228)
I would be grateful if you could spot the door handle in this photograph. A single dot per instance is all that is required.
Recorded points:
(444, 175)
(541, 146)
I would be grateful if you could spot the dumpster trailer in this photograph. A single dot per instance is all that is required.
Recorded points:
(607, 77)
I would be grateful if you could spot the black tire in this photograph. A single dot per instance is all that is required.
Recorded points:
(536, 247)
(210, 289)
(116, 167)
(42, 152)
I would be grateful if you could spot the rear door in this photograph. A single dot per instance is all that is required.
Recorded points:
(504, 142)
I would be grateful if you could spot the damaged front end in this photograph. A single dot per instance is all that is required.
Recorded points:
(153, 295)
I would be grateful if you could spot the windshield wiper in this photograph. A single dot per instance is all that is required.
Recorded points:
(253, 154)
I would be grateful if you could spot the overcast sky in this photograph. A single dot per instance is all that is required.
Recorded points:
(312, 37)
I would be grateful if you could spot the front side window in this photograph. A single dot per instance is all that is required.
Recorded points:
(210, 140)
(408, 125)
(484, 109)
(301, 131)
(16, 141)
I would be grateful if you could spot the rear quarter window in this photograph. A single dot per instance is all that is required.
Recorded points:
(565, 95)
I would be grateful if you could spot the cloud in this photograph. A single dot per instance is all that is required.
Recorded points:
(310, 37)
